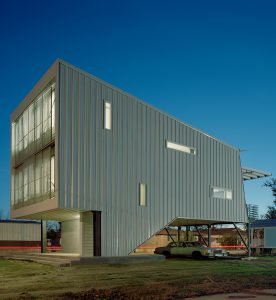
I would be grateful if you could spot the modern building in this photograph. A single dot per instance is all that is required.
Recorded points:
(263, 236)
(252, 212)
(113, 169)
(19, 236)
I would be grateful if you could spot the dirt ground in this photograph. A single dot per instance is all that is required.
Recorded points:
(168, 280)
(247, 294)
(177, 291)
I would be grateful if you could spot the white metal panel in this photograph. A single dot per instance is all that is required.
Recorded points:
(101, 169)
(19, 231)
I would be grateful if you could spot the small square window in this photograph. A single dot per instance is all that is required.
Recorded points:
(222, 193)
(192, 151)
(229, 194)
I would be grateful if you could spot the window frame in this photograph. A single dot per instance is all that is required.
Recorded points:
(142, 194)
(180, 147)
(224, 190)
(107, 115)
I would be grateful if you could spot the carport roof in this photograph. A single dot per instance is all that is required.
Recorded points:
(249, 174)
(195, 222)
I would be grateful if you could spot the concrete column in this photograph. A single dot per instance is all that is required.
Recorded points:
(43, 236)
(70, 236)
(86, 234)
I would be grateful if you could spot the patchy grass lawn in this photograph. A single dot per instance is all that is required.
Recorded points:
(171, 279)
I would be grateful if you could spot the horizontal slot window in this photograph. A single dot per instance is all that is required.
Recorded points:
(179, 147)
(223, 193)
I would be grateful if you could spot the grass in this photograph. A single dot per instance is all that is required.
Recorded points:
(171, 279)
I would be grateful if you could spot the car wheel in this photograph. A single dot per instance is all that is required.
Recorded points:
(167, 254)
(196, 255)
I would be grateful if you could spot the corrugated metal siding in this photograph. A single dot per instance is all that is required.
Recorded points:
(270, 237)
(19, 232)
(101, 169)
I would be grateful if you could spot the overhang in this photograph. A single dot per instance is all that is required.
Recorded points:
(249, 174)
(196, 222)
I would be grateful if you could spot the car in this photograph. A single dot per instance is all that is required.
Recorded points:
(189, 249)
(220, 252)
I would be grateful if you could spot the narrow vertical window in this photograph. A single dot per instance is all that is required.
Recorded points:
(142, 195)
(107, 115)
(52, 176)
(53, 109)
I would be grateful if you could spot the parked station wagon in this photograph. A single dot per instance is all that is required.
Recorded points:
(189, 249)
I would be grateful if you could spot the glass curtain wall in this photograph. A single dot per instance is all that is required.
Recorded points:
(33, 151)
(35, 128)
(34, 179)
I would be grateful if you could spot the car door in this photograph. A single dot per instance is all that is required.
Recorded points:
(190, 248)
(185, 249)
(178, 249)
(173, 248)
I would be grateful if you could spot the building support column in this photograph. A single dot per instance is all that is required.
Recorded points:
(201, 236)
(240, 235)
(43, 229)
(178, 234)
(169, 234)
(187, 232)
(209, 235)
(249, 239)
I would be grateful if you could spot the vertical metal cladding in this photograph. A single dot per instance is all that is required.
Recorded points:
(19, 231)
(101, 169)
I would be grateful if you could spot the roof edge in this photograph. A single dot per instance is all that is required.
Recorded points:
(60, 61)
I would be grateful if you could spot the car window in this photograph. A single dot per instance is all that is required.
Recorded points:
(197, 244)
(189, 244)
(173, 245)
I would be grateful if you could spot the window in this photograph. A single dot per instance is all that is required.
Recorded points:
(34, 179)
(35, 127)
(107, 115)
(142, 195)
(52, 179)
(222, 193)
(179, 147)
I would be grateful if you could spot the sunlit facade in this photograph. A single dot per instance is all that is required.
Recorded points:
(112, 169)
(33, 152)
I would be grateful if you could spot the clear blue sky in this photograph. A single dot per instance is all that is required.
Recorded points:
(211, 64)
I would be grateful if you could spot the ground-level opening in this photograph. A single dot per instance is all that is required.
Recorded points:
(80, 232)
(227, 236)
(97, 249)
(82, 235)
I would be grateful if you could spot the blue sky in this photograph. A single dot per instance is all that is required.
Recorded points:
(209, 63)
